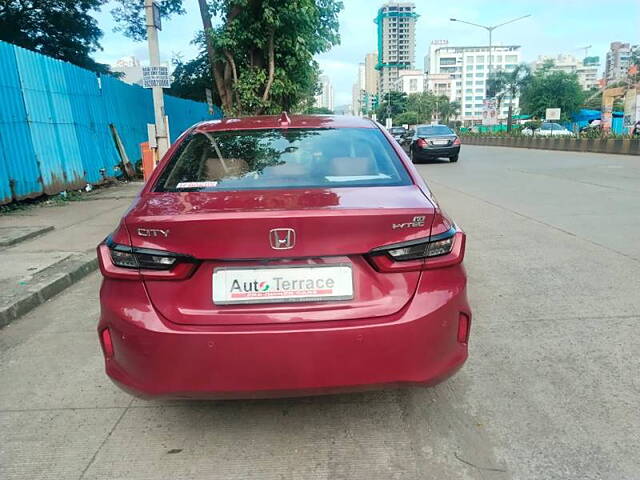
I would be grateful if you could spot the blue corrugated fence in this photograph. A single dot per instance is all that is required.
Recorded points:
(54, 123)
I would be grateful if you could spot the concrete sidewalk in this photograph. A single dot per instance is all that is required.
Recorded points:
(47, 248)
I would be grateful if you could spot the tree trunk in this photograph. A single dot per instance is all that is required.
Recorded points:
(225, 97)
(510, 115)
(272, 67)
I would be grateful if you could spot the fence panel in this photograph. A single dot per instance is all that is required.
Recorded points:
(54, 123)
(19, 173)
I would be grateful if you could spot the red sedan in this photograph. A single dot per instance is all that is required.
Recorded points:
(277, 256)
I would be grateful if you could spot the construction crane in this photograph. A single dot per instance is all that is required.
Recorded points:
(586, 50)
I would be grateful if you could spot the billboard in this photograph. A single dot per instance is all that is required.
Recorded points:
(489, 112)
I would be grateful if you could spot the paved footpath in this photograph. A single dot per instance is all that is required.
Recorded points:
(551, 389)
(45, 249)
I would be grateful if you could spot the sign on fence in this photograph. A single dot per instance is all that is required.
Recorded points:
(155, 77)
(552, 114)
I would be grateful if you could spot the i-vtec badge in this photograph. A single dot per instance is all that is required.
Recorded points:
(152, 232)
(415, 223)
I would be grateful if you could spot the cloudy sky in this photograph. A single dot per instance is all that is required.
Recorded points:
(555, 26)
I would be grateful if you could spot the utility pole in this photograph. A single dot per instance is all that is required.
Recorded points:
(153, 25)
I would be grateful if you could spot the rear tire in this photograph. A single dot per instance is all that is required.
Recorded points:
(412, 156)
(453, 159)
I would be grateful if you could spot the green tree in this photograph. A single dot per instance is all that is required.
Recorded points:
(551, 90)
(423, 104)
(408, 118)
(392, 104)
(191, 78)
(319, 111)
(508, 85)
(61, 29)
(260, 53)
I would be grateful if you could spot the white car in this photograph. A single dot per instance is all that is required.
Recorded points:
(549, 130)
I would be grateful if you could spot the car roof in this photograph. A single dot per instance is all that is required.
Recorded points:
(285, 121)
(431, 125)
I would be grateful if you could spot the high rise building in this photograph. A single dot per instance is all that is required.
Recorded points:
(396, 23)
(364, 94)
(618, 61)
(586, 70)
(468, 68)
(324, 99)
(370, 73)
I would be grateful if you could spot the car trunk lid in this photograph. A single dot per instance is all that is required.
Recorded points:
(233, 230)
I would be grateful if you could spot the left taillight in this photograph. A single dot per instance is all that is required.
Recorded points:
(126, 262)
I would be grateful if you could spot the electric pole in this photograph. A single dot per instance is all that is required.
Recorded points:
(153, 25)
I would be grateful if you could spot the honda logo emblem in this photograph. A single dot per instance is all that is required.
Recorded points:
(282, 238)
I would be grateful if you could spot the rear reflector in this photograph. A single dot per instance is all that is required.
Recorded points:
(463, 328)
(107, 344)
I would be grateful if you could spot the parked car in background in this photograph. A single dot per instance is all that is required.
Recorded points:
(433, 141)
(276, 255)
(548, 129)
(398, 133)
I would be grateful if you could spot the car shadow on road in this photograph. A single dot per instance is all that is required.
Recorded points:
(394, 433)
(433, 161)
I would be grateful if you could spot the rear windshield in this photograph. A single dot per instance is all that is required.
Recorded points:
(397, 130)
(262, 159)
(434, 130)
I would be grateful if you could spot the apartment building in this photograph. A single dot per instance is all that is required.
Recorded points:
(396, 23)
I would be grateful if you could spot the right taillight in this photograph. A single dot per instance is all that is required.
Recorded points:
(457, 141)
(123, 261)
(436, 251)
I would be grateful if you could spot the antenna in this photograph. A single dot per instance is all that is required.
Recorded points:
(284, 119)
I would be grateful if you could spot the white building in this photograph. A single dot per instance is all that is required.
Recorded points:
(396, 23)
(618, 61)
(441, 84)
(325, 97)
(586, 70)
(410, 81)
(469, 68)
(131, 68)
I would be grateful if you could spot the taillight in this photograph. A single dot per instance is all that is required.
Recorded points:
(421, 142)
(457, 141)
(436, 251)
(123, 261)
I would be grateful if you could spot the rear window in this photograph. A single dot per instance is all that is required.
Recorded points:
(434, 130)
(396, 130)
(262, 159)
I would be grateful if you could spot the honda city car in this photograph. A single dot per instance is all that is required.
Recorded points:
(279, 256)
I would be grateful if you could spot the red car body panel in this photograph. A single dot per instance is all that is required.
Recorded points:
(162, 334)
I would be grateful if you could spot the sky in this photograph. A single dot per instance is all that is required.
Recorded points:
(555, 26)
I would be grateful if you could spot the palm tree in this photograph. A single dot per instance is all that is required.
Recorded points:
(502, 84)
(447, 108)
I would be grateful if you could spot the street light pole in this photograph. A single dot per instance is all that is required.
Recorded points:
(490, 29)
(162, 139)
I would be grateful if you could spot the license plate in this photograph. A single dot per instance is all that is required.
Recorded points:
(440, 142)
(282, 284)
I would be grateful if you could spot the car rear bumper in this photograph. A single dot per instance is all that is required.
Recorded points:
(153, 357)
(435, 152)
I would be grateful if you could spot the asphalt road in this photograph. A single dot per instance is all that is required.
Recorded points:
(551, 389)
